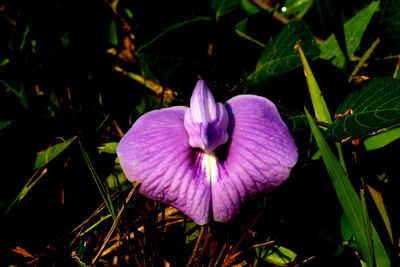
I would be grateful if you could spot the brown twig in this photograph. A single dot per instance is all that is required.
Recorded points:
(110, 232)
(265, 6)
(196, 246)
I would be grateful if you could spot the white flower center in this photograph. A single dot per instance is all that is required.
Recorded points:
(210, 167)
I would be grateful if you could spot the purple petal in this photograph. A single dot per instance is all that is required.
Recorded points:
(260, 155)
(206, 121)
(156, 153)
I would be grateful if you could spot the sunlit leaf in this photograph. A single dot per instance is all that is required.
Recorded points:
(45, 156)
(369, 110)
(110, 147)
(280, 56)
(320, 108)
(382, 139)
(277, 255)
(354, 30)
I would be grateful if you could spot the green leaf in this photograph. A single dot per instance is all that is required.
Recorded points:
(110, 147)
(112, 33)
(382, 139)
(349, 201)
(280, 56)
(45, 156)
(35, 178)
(277, 255)
(297, 7)
(21, 93)
(320, 108)
(354, 30)
(296, 120)
(369, 110)
(250, 7)
(380, 205)
(4, 62)
(224, 7)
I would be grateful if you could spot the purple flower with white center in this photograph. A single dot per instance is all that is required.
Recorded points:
(207, 159)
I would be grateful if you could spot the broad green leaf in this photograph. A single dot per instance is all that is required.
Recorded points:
(354, 30)
(296, 7)
(277, 255)
(280, 56)
(45, 156)
(349, 201)
(110, 147)
(345, 229)
(224, 7)
(369, 110)
(382, 139)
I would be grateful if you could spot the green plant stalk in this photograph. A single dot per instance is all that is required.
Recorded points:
(364, 58)
(104, 193)
(349, 201)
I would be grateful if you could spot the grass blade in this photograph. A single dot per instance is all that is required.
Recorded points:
(45, 156)
(320, 108)
(346, 194)
(104, 193)
(27, 187)
(380, 204)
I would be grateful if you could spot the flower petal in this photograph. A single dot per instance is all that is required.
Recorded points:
(156, 153)
(260, 154)
(206, 121)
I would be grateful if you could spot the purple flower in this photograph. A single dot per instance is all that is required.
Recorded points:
(207, 159)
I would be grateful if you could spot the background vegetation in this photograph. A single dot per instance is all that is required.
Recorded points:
(75, 75)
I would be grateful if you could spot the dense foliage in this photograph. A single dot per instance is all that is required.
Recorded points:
(74, 76)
